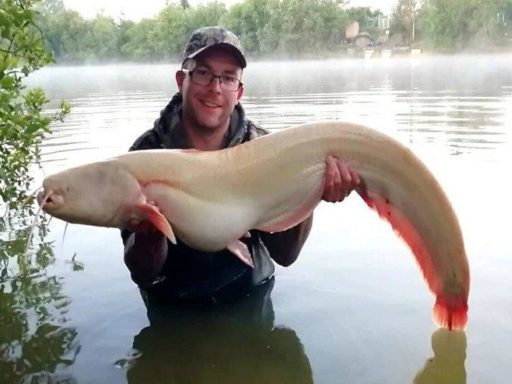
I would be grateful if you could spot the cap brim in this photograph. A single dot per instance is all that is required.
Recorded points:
(239, 56)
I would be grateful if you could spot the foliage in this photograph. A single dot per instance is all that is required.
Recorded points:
(170, 31)
(466, 24)
(293, 28)
(22, 121)
(208, 14)
(33, 342)
(266, 27)
(405, 18)
(245, 19)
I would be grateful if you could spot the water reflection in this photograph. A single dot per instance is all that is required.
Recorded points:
(447, 365)
(35, 344)
(233, 343)
(239, 343)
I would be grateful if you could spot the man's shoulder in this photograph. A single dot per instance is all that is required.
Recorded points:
(159, 136)
(256, 130)
(148, 140)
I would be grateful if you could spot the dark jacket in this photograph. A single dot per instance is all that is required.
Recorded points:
(189, 275)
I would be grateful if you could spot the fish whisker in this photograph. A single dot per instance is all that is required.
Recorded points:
(36, 217)
(63, 237)
(30, 197)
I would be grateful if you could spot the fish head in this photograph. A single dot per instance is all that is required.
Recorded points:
(94, 194)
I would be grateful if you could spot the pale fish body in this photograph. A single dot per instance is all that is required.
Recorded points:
(211, 199)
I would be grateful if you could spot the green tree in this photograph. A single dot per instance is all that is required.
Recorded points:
(321, 31)
(139, 43)
(57, 25)
(462, 24)
(246, 19)
(489, 24)
(202, 15)
(170, 32)
(269, 34)
(22, 121)
(404, 19)
(287, 27)
(102, 38)
(291, 28)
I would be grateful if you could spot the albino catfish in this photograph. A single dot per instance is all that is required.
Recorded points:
(209, 200)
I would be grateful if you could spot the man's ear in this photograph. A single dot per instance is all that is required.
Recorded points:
(240, 92)
(180, 77)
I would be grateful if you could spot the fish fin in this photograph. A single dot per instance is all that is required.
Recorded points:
(451, 312)
(155, 217)
(450, 309)
(241, 251)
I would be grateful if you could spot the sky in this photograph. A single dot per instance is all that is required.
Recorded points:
(137, 9)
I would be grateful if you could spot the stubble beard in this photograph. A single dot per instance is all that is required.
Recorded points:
(194, 121)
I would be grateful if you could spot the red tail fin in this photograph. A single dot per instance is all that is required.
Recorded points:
(449, 312)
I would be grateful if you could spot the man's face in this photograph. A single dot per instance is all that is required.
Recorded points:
(209, 107)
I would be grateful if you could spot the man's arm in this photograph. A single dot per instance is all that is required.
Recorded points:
(284, 247)
(144, 254)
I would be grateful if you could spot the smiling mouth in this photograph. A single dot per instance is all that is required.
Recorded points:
(209, 104)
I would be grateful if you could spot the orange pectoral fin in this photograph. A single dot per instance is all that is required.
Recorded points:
(155, 217)
(241, 251)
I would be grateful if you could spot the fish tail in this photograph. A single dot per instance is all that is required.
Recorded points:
(451, 312)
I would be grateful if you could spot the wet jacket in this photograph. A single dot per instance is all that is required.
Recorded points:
(189, 275)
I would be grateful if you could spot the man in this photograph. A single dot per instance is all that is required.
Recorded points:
(206, 115)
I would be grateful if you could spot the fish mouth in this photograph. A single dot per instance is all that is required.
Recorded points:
(49, 200)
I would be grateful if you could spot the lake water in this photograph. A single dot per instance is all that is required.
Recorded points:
(353, 308)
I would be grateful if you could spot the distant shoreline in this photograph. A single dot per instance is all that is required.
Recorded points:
(402, 52)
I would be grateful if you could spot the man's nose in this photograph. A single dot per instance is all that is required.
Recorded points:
(215, 84)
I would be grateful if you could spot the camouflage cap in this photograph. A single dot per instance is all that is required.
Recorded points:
(207, 37)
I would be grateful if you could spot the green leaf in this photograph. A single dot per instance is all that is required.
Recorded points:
(23, 124)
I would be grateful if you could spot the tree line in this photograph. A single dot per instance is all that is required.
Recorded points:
(455, 25)
(275, 28)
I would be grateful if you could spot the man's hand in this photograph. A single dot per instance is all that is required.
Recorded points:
(340, 180)
(145, 251)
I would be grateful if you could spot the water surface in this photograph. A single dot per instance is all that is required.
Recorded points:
(352, 309)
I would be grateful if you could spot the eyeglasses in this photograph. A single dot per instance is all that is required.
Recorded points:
(204, 77)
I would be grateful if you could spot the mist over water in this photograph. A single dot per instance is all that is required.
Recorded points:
(461, 100)
(354, 307)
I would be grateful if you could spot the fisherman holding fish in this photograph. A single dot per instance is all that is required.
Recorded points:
(206, 115)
